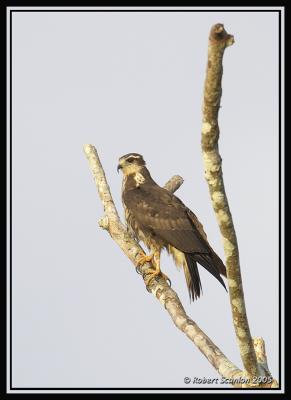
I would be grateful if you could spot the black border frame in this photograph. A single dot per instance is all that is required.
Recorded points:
(75, 389)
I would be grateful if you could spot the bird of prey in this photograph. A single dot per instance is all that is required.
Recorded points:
(161, 220)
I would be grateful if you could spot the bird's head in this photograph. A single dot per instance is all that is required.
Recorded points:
(131, 163)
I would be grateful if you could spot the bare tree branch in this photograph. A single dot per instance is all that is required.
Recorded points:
(158, 286)
(259, 346)
(174, 183)
(218, 41)
(252, 350)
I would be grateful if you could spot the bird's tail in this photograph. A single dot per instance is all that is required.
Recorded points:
(211, 262)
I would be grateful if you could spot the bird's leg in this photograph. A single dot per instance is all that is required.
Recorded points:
(144, 259)
(154, 258)
(153, 272)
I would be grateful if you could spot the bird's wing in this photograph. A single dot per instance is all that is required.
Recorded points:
(197, 223)
(159, 210)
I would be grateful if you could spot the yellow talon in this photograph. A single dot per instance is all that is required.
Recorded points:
(144, 259)
(154, 273)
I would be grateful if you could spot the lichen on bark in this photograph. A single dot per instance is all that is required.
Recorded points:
(158, 286)
(219, 40)
(252, 350)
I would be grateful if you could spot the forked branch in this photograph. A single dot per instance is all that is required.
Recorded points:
(158, 286)
(252, 351)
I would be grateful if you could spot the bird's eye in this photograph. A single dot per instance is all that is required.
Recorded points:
(130, 159)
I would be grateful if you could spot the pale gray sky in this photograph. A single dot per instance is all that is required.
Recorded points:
(133, 82)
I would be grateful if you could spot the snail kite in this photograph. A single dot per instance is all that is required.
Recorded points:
(161, 220)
